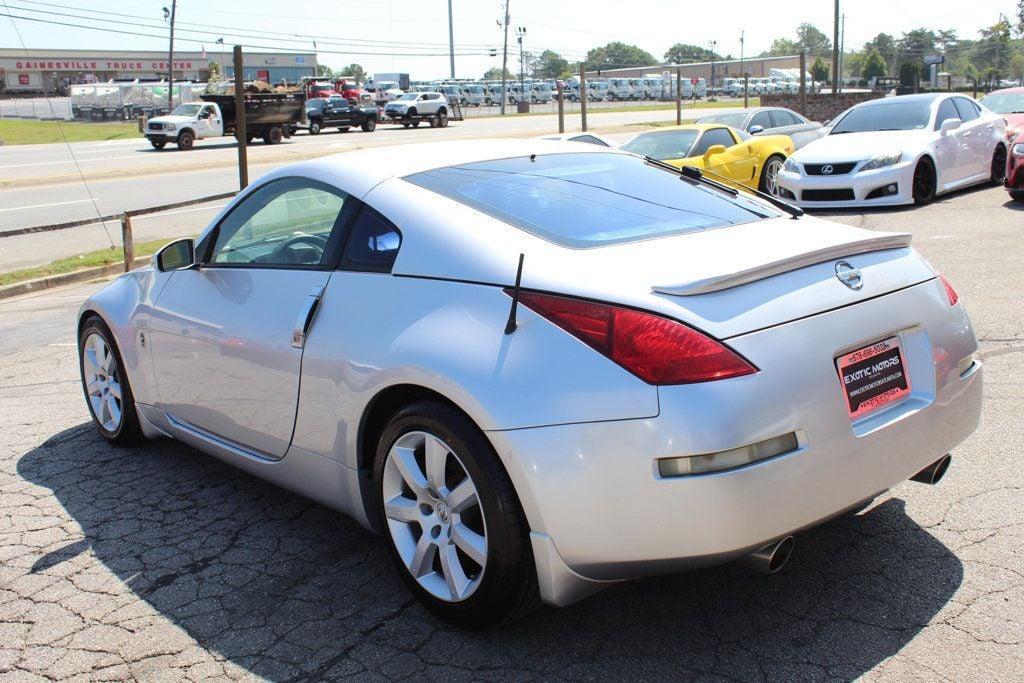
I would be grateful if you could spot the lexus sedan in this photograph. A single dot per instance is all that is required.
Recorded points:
(770, 121)
(539, 368)
(898, 150)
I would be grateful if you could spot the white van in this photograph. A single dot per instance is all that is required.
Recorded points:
(618, 89)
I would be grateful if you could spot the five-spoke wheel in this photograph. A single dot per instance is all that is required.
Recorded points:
(105, 384)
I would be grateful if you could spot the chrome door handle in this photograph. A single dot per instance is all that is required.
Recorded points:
(306, 316)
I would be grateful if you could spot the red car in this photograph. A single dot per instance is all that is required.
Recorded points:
(1010, 103)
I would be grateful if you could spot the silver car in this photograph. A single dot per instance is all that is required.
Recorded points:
(771, 121)
(539, 368)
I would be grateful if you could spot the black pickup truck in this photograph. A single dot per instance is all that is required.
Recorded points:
(337, 112)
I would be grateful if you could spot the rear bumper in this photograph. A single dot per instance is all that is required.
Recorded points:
(860, 184)
(601, 512)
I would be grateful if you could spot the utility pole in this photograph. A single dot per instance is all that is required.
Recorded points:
(803, 80)
(520, 34)
(451, 38)
(240, 128)
(835, 51)
(842, 49)
(504, 63)
(170, 58)
(583, 95)
(711, 85)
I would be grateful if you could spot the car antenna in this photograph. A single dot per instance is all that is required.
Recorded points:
(511, 325)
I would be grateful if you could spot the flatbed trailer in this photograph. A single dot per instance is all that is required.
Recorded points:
(454, 114)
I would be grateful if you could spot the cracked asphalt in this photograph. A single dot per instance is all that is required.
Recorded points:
(158, 562)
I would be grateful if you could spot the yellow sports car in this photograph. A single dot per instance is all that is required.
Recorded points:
(725, 151)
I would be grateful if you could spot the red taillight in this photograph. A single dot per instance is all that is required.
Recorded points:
(655, 349)
(950, 292)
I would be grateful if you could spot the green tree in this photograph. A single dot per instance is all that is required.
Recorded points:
(886, 46)
(324, 71)
(550, 64)
(682, 53)
(992, 54)
(819, 70)
(874, 66)
(354, 71)
(816, 42)
(782, 47)
(494, 74)
(215, 74)
(910, 74)
(618, 55)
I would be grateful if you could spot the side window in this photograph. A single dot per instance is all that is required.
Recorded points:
(373, 244)
(715, 136)
(947, 110)
(589, 138)
(761, 118)
(968, 110)
(781, 117)
(287, 222)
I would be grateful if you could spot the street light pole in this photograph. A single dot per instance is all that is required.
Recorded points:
(504, 63)
(835, 51)
(170, 58)
(520, 33)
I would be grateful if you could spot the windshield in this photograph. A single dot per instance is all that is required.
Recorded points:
(476, 89)
(1005, 102)
(663, 145)
(186, 110)
(907, 115)
(588, 200)
(734, 120)
(409, 96)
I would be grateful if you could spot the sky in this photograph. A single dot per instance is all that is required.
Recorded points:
(371, 32)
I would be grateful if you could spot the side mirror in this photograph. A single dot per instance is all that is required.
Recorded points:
(755, 129)
(713, 150)
(949, 124)
(175, 256)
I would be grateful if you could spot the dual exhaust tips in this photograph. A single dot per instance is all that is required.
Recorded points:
(772, 557)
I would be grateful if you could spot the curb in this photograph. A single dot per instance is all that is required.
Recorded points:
(44, 283)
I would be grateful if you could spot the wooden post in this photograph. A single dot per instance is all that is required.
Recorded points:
(243, 158)
(803, 82)
(561, 105)
(679, 96)
(583, 96)
(746, 90)
(127, 241)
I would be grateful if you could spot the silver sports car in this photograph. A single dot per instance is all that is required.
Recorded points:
(539, 368)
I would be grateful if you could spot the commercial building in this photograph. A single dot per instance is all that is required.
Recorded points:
(35, 71)
(756, 67)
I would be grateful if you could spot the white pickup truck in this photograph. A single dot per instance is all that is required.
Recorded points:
(271, 116)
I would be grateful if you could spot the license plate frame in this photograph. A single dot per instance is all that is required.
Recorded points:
(873, 377)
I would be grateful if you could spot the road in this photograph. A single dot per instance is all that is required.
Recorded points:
(159, 562)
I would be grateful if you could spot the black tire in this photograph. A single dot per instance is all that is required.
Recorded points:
(998, 165)
(186, 139)
(442, 120)
(405, 124)
(128, 432)
(158, 144)
(924, 182)
(416, 123)
(411, 113)
(369, 125)
(433, 122)
(273, 135)
(249, 137)
(774, 161)
(314, 127)
(508, 588)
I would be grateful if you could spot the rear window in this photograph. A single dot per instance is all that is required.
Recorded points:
(588, 200)
(663, 145)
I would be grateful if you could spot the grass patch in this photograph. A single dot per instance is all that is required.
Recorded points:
(26, 132)
(100, 257)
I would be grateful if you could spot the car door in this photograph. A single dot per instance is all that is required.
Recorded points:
(763, 119)
(800, 130)
(738, 162)
(227, 337)
(953, 158)
(207, 122)
(977, 137)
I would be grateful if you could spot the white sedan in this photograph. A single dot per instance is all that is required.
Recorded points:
(898, 150)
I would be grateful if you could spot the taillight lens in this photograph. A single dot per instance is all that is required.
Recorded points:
(950, 292)
(655, 349)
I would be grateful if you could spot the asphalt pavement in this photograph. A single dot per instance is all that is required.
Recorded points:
(158, 562)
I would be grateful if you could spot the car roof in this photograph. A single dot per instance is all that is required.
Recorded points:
(919, 97)
(1007, 91)
(687, 126)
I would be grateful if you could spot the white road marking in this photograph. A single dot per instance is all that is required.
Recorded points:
(171, 213)
(43, 206)
(69, 161)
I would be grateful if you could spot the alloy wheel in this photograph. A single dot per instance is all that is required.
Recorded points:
(771, 177)
(102, 382)
(434, 516)
(924, 183)
(999, 164)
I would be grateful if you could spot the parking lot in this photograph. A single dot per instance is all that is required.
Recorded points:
(160, 562)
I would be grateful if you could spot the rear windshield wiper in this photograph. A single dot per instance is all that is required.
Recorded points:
(694, 174)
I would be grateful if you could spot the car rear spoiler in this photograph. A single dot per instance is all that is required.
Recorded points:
(715, 283)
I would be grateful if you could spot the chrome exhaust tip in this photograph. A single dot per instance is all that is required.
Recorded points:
(934, 472)
(771, 558)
